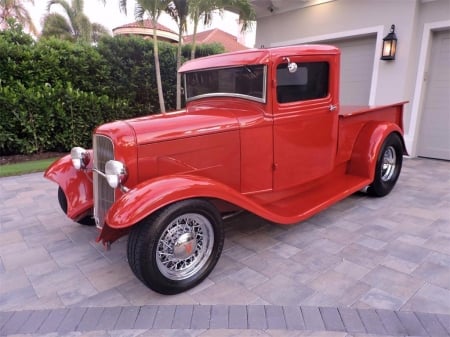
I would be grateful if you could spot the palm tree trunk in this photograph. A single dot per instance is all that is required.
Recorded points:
(158, 71)
(194, 35)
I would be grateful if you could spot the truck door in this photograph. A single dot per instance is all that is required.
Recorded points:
(305, 118)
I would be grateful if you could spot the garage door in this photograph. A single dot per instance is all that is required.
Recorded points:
(357, 56)
(434, 135)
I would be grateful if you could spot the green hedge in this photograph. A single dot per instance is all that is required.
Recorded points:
(53, 93)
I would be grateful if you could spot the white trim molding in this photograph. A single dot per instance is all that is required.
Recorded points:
(411, 137)
(376, 30)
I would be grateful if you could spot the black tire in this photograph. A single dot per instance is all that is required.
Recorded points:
(164, 253)
(388, 166)
(86, 221)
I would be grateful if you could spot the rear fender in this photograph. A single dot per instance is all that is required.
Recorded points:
(76, 184)
(368, 145)
(152, 195)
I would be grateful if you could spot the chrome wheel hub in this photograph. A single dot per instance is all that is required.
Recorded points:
(185, 246)
(388, 164)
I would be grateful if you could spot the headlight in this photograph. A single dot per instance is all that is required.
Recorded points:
(80, 158)
(115, 173)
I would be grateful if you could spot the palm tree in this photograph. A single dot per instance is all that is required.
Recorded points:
(154, 9)
(77, 25)
(205, 8)
(15, 9)
(179, 10)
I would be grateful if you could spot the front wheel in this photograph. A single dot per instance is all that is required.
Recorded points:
(388, 166)
(176, 248)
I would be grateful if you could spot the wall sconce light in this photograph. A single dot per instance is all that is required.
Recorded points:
(389, 45)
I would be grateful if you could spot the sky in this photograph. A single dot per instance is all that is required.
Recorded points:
(110, 16)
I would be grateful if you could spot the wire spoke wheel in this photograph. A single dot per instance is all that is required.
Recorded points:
(185, 246)
(177, 247)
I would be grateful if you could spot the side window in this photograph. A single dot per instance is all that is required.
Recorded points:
(310, 81)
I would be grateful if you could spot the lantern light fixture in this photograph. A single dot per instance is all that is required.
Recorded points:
(389, 45)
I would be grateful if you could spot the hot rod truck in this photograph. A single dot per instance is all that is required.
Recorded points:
(262, 131)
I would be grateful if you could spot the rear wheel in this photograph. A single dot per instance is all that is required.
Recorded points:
(176, 248)
(388, 166)
(86, 221)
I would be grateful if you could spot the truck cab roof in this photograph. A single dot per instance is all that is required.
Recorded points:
(255, 56)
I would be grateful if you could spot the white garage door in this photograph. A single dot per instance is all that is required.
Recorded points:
(434, 135)
(357, 56)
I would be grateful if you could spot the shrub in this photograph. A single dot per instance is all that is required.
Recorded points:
(53, 93)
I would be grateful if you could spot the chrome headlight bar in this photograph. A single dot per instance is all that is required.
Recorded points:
(115, 171)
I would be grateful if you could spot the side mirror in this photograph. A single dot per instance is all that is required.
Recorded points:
(292, 66)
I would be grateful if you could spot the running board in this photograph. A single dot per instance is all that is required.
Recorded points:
(306, 204)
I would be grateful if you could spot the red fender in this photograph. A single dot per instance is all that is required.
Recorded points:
(152, 195)
(368, 145)
(76, 184)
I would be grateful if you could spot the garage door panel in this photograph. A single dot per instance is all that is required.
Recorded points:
(434, 135)
(357, 55)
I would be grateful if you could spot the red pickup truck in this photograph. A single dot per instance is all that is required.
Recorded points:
(262, 131)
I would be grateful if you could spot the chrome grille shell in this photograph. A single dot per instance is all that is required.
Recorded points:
(104, 195)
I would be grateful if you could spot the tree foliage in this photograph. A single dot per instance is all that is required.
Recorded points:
(16, 10)
(74, 25)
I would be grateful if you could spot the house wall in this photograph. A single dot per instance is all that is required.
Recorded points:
(392, 81)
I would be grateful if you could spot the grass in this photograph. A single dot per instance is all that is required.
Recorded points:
(25, 167)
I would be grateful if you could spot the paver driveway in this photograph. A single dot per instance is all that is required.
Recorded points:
(378, 266)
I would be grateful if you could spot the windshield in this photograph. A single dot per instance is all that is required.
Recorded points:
(247, 82)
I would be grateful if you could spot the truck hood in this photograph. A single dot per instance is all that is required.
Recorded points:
(181, 124)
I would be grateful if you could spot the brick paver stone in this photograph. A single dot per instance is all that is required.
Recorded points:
(391, 322)
(332, 319)
(219, 317)
(4, 318)
(72, 319)
(275, 317)
(53, 321)
(108, 318)
(351, 320)
(371, 321)
(12, 326)
(431, 324)
(411, 323)
(183, 316)
(90, 319)
(313, 319)
(127, 318)
(237, 317)
(445, 321)
(256, 317)
(164, 317)
(145, 317)
(201, 316)
(294, 318)
(34, 321)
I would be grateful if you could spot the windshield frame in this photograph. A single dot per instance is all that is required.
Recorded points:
(262, 99)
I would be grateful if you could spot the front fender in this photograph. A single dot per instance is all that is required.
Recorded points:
(368, 145)
(76, 184)
(154, 194)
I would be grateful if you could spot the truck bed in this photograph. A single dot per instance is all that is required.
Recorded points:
(352, 110)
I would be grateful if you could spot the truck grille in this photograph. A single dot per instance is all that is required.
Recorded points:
(103, 193)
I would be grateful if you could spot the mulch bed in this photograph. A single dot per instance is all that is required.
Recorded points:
(23, 158)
